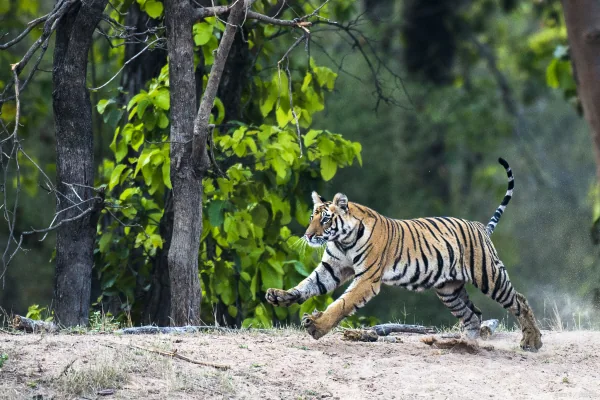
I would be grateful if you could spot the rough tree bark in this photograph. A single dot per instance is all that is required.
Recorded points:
(74, 161)
(187, 185)
(582, 18)
(189, 163)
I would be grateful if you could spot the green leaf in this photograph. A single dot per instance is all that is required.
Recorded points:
(260, 215)
(115, 176)
(137, 139)
(281, 312)
(162, 100)
(121, 150)
(300, 268)
(283, 117)
(552, 74)
(232, 310)
(357, 152)
(245, 276)
(102, 104)
(267, 104)
(163, 120)
(141, 108)
(166, 173)
(144, 159)
(310, 137)
(270, 277)
(202, 33)
(328, 168)
(215, 212)
(153, 8)
(104, 242)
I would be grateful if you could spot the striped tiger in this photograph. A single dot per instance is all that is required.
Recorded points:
(442, 254)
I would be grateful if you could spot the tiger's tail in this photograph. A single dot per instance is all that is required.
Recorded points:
(511, 185)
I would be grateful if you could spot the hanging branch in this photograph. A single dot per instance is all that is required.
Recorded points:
(201, 125)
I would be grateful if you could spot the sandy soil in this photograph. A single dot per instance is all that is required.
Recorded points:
(287, 364)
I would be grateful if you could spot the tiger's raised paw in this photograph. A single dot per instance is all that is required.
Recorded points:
(312, 325)
(282, 298)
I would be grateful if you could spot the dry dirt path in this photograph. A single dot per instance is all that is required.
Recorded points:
(287, 364)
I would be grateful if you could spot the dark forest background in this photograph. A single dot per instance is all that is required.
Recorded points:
(435, 93)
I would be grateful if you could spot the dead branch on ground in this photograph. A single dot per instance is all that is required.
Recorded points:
(175, 354)
(33, 326)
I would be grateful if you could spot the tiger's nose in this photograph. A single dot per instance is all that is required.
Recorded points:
(309, 235)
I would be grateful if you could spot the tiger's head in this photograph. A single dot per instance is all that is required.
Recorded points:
(329, 221)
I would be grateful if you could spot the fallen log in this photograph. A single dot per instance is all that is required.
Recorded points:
(386, 329)
(488, 328)
(151, 329)
(368, 335)
(33, 326)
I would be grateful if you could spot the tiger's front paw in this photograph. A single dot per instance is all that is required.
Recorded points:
(314, 324)
(282, 298)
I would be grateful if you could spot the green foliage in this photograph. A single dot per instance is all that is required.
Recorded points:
(39, 313)
(154, 8)
(103, 322)
(248, 215)
(3, 359)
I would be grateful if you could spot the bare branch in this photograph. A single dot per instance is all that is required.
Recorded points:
(30, 26)
(126, 63)
(201, 128)
(205, 12)
(305, 37)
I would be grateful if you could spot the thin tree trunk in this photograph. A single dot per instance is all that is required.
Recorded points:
(187, 185)
(190, 163)
(581, 17)
(74, 161)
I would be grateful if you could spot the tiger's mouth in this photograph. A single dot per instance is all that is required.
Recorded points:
(314, 241)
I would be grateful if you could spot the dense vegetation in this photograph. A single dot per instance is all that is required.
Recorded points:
(404, 107)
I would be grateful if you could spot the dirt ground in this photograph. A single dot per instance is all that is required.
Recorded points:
(287, 364)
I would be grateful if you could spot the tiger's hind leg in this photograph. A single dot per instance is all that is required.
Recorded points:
(454, 296)
(502, 290)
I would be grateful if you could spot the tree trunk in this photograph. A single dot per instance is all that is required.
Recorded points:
(74, 161)
(583, 30)
(187, 185)
(156, 303)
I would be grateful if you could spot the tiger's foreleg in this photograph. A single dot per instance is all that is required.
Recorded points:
(356, 296)
(324, 279)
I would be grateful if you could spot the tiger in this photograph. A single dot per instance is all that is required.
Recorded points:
(439, 253)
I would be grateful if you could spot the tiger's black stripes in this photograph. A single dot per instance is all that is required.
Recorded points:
(330, 270)
(443, 253)
(509, 193)
(322, 289)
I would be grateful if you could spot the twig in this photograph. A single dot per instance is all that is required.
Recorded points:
(174, 354)
(304, 37)
(30, 26)
(66, 368)
(126, 63)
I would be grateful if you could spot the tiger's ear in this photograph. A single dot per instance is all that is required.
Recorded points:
(341, 201)
(317, 199)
